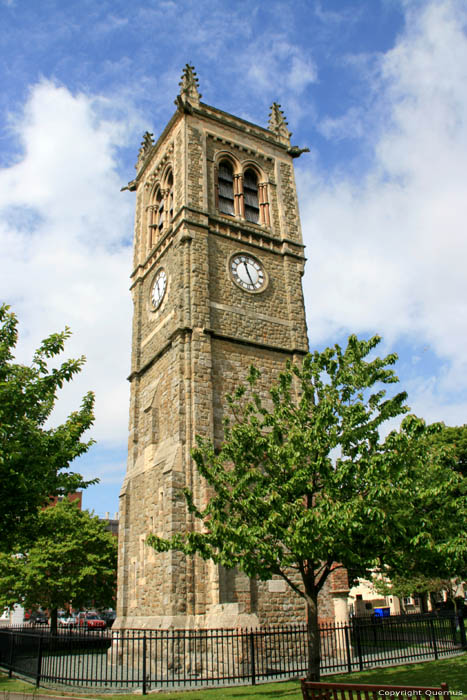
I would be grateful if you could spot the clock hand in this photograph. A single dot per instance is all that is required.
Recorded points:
(158, 290)
(248, 273)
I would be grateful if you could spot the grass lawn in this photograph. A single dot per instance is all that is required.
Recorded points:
(452, 670)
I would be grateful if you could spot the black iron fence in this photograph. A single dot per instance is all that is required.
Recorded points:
(149, 659)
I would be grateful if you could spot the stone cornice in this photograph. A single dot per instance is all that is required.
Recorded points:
(249, 342)
(239, 232)
(255, 236)
(226, 119)
(218, 336)
(216, 115)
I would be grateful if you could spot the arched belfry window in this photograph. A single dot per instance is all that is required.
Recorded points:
(225, 182)
(156, 218)
(250, 196)
(161, 208)
(243, 195)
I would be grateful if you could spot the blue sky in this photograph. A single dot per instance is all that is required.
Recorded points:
(375, 89)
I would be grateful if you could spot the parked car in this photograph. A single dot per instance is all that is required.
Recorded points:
(67, 621)
(109, 616)
(90, 620)
(38, 618)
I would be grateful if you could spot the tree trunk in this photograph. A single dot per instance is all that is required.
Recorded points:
(53, 621)
(313, 636)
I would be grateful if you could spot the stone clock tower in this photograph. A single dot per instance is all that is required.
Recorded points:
(216, 285)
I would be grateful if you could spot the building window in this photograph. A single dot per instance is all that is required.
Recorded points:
(225, 188)
(162, 209)
(250, 195)
(242, 194)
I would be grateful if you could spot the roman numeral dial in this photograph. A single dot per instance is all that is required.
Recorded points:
(247, 272)
(158, 289)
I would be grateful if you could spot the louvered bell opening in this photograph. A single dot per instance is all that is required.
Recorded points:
(170, 182)
(226, 171)
(250, 196)
(160, 216)
(156, 202)
(225, 183)
(171, 206)
(226, 206)
(252, 214)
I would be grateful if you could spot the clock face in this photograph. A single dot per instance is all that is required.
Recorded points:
(158, 288)
(247, 272)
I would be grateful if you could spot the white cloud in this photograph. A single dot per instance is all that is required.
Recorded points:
(273, 60)
(350, 125)
(388, 247)
(335, 18)
(65, 236)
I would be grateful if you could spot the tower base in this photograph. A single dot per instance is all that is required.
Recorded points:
(219, 616)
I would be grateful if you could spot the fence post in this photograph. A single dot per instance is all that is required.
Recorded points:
(433, 638)
(12, 646)
(39, 662)
(347, 649)
(252, 654)
(359, 644)
(144, 689)
(460, 620)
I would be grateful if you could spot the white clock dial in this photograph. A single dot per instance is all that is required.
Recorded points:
(247, 272)
(158, 288)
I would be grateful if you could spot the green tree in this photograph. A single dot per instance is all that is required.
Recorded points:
(35, 458)
(72, 560)
(450, 444)
(447, 451)
(440, 504)
(308, 483)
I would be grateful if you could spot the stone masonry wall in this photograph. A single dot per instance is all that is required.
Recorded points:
(289, 202)
(262, 317)
(191, 351)
(230, 365)
(195, 170)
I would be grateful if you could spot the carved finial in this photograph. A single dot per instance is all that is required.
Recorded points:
(146, 144)
(189, 93)
(278, 124)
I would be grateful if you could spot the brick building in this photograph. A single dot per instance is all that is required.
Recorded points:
(216, 287)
